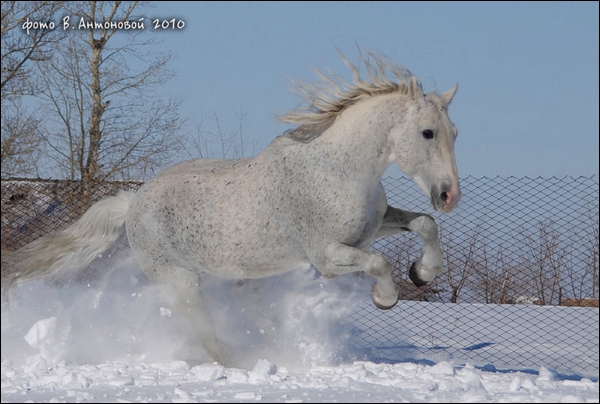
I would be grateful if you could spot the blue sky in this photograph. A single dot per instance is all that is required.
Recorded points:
(527, 103)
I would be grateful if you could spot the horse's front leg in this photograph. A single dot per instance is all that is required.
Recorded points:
(430, 263)
(342, 259)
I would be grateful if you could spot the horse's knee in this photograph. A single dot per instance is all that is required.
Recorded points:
(425, 226)
(379, 267)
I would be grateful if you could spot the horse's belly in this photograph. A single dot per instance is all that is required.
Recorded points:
(249, 271)
(247, 254)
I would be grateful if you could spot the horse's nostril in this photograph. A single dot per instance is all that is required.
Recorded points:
(445, 197)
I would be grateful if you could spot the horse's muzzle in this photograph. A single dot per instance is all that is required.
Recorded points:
(444, 199)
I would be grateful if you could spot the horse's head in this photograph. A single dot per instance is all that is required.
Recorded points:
(423, 145)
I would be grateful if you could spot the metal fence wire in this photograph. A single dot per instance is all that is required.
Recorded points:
(514, 250)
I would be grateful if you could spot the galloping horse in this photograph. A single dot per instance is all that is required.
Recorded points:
(313, 196)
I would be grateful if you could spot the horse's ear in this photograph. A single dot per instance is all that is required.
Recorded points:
(414, 88)
(448, 95)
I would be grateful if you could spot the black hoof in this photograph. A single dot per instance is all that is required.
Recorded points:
(412, 274)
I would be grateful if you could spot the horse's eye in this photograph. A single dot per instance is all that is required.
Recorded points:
(428, 134)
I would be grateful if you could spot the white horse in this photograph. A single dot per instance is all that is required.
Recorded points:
(313, 196)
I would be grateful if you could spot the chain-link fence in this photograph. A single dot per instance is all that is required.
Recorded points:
(510, 240)
(513, 249)
(33, 208)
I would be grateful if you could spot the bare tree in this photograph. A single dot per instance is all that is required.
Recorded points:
(575, 280)
(460, 262)
(27, 37)
(219, 142)
(583, 276)
(543, 258)
(496, 280)
(487, 279)
(21, 148)
(594, 243)
(105, 117)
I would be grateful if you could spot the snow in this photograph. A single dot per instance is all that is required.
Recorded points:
(116, 338)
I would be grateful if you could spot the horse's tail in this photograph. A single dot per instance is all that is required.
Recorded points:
(74, 247)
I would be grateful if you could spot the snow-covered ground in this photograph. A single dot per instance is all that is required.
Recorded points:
(115, 338)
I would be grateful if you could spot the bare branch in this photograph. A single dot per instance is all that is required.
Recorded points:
(105, 117)
(21, 47)
(219, 142)
(21, 146)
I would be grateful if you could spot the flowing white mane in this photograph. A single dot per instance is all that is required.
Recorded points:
(326, 99)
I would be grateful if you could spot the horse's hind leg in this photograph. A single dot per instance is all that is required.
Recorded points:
(430, 263)
(185, 286)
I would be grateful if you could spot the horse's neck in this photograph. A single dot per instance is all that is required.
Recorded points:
(357, 143)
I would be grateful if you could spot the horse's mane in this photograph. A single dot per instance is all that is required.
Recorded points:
(327, 99)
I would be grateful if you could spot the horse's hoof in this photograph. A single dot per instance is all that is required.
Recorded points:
(412, 274)
(379, 304)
